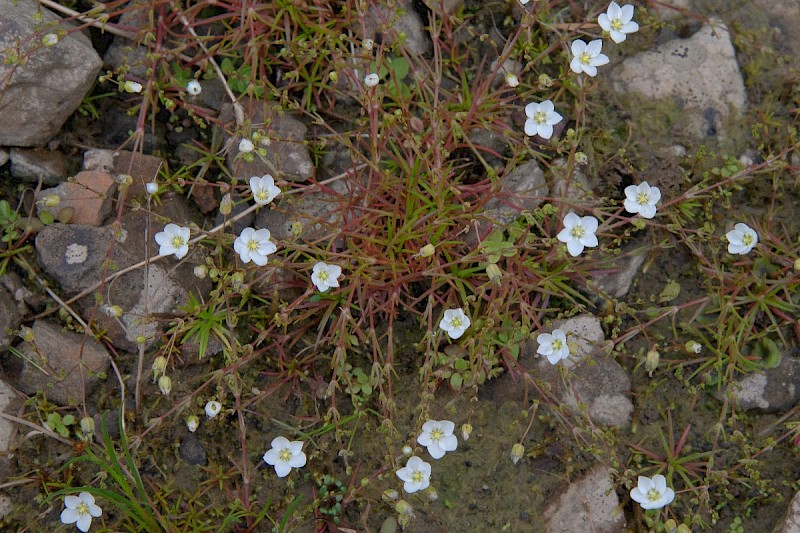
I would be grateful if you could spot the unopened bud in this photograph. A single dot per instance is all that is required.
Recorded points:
(651, 361)
(200, 271)
(213, 408)
(517, 451)
(165, 385)
(124, 179)
(26, 333)
(797, 264)
(693, 347)
(494, 273)
(404, 508)
(226, 205)
(426, 251)
(192, 423)
(512, 80)
(246, 146)
(407, 451)
(159, 366)
(432, 494)
(389, 495)
(132, 87)
(50, 39)
(113, 311)
(151, 187)
(466, 431)
(87, 425)
(545, 80)
(51, 200)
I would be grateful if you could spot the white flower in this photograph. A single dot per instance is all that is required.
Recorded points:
(151, 187)
(617, 21)
(587, 57)
(193, 87)
(264, 189)
(192, 423)
(285, 455)
(79, 510)
(642, 199)
(541, 119)
(437, 436)
(132, 87)
(50, 39)
(173, 240)
(246, 146)
(416, 475)
(741, 239)
(213, 408)
(578, 232)
(325, 276)
(455, 322)
(553, 346)
(254, 245)
(512, 80)
(653, 493)
(371, 80)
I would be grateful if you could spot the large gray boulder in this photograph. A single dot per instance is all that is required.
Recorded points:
(40, 90)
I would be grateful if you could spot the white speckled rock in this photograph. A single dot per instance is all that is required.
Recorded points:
(589, 504)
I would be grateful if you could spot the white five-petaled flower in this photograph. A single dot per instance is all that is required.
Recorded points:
(371, 80)
(213, 408)
(455, 322)
(653, 493)
(254, 245)
(741, 239)
(416, 475)
(541, 119)
(285, 455)
(618, 21)
(173, 240)
(325, 276)
(642, 199)
(553, 346)
(246, 146)
(437, 436)
(587, 57)
(264, 189)
(80, 510)
(193, 87)
(578, 232)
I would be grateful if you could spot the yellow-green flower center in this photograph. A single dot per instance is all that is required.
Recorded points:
(416, 476)
(457, 322)
(577, 232)
(437, 434)
(643, 198)
(557, 344)
(540, 117)
(284, 455)
(176, 241)
(585, 58)
(747, 239)
(653, 495)
(617, 24)
(323, 275)
(82, 508)
(252, 245)
(262, 195)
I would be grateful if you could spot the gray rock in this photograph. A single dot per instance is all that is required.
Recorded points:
(31, 165)
(123, 52)
(791, 520)
(39, 95)
(672, 8)
(287, 154)
(9, 403)
(523, 189)
(3, 156)
(62, 364)
(589, 504)
(771, 390)
(192, 451)
(620, 272)
(398, 22)
(9, 319)
(699, 73)
(74, 255)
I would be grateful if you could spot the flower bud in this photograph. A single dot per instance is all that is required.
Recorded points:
(132, 87)
(512, 80)
(192, 423)
(246, 146)
(151, 187)
(159, 366)
(114, 311)
(124, 179)
(432, 494)
(517, 451)
(545, 81)
(213, 408)
(494, 273)
(651, 361)
(367, 44)
(165, 385)
(193, 88)
(466, 431)
(404, 508)
(226, 205)
(407, 451)
(25, 333)
(693, 347)
(389, 495)
(50, 39)
(371, 80)
(87, 425)
(51, 200)
(426, 251)
(581, 158)
(200, 271)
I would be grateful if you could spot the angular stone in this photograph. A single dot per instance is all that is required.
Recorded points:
(604, 388)
(62, 364)
(700, 74)
(621, 271)
(192, 451)
(523, 189)
(123, 52)
(31, 165)
(89, 195)
(286, 151)
(771, 390)
(74, 255)
(589, 504)
(9, 402)
(791, 520)
(39, 95)
(3, 156)
(142, 168)
(392, 21)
